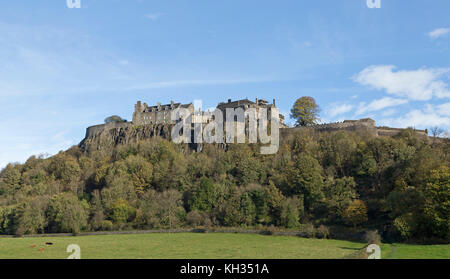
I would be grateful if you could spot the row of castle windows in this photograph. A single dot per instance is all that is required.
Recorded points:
(159, 117)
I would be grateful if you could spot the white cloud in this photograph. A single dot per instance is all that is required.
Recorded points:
(439, 33)
(444, 109)
(388, 112)
(338, 109)
(380, 104)
(430, 116)
(421, 84)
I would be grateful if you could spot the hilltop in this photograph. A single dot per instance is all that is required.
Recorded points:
(155, 121)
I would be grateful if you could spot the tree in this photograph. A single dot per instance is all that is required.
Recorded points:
(96, 211)
(305, 111)
(436, 195)
(206, 196)
(305, 180)
(161, 209)
(275, 200)
(290, 214)
(355, 213)
(7, 220)
(65, 168)
(10, 180)
(67, 214)
(140, 172)
(436, 131)
(114, 119)
(170, 204)
(30, 216)
(339, 193)
(122, 212)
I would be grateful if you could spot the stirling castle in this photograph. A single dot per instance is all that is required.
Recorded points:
(155, 121)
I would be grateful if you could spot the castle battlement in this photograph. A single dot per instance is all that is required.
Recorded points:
(365, 122)
(159, 114)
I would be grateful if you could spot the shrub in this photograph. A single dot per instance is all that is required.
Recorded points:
(372, 237)
(271, 230)
(196, 218)
(107, 225)
(403, 227)
(308, 230)
(122, 212)
(290, 217)
(323, 232)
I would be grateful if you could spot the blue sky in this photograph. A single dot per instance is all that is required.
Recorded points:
(62, 70)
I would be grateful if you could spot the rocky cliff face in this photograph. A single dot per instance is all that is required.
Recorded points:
(110, 135)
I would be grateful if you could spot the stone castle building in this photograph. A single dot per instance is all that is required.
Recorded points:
(247, 104)
(161, 114)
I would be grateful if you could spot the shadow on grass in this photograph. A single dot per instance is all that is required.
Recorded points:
(349, 248)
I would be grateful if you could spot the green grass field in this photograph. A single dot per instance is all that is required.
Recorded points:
(202, 246)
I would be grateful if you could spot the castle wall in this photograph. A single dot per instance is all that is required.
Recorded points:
(98, 129)
(160, 114)
(153, 117)
(349, 125)
(390, 132)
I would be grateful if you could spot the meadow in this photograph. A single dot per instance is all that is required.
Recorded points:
(203, 246)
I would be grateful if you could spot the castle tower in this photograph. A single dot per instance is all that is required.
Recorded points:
(138, 110)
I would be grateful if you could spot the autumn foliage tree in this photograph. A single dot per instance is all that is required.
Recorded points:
(337, 180)
(305, 111)
(356, 213)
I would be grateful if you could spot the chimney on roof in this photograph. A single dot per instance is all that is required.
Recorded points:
(256, 101)
(229, 100)
(171, 103)
(274, 103)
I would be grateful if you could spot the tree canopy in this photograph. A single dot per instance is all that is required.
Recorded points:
(114, 119)
(347, 180)
(305, 111)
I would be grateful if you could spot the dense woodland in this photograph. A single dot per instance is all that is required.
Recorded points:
(398, 185)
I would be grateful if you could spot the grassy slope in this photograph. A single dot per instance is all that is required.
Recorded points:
(405, 251)
(194, 245)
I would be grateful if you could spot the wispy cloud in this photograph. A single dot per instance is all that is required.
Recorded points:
(338, 109)
(31, 66)
(379, 104)
(427, 117)
(43, 59)
(154, 16)
(422, 84)
(444, 109)
(193, 82)
(439, 33)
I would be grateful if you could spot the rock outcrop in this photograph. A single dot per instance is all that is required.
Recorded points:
(112, 134)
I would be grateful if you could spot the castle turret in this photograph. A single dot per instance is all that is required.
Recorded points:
(138, 110)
